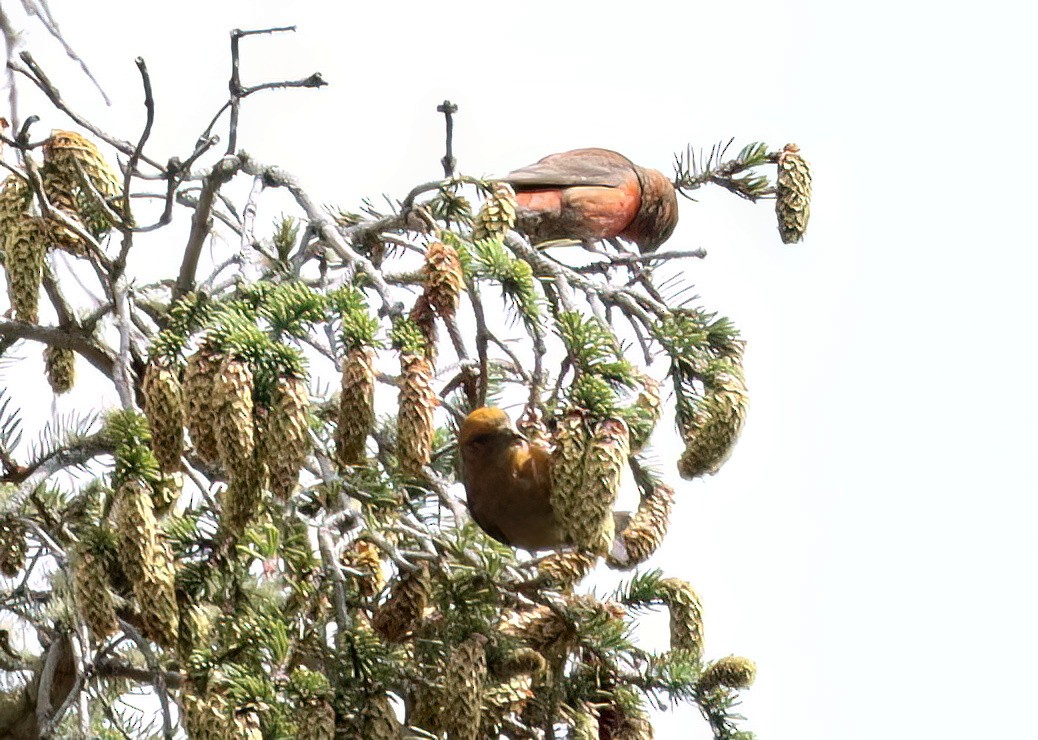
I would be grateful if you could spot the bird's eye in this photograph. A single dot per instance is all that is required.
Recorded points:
(479, 440)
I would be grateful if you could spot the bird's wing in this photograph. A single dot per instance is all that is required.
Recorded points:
(489, 527)
(588, 167)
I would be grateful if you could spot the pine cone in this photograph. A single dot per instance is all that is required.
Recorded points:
(464, 677)
(417, 405)
(506, 698)
(646, 529)
(81, 162)
(147, 562)
(206, 717)
(633, 727)
(315, 720)
(241, 500)
(444, 278)
(792, 194)
(715, 427)
(553, 635)
(25, 249)
(12, 545)
(60, 366)
(377, 720)
(400, 613)
(195, 629)
(686, 616)
(564, 570)
(246, 725)
(497, 216)
(285, 443)
(15, 196)
(518, 662)
(164, 407)
(201, 407)
(569, 463)
(356, 406)
(165, 492)
(61, 188)
(235, 429)
(424, 317)
(363, 556)
(645, 413)
(586, 475)
(732, 672)
(584, 725)
(93, 595)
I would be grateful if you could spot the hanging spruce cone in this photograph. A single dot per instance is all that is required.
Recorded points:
(81, 162)
(417, 406)
(285, 444)
(553, 635)
(732, 672)
(506, 698)
(686, 616)
(584, 725)
(164, 407)
(235, 429)
(644, 414)
(165, 491)
(518, 662)
(793, 194)
(15, 196)
(497, 216)
(147, 562)
(60, 366)
(246, 724)
(363, 556)
(444, 279)
(586, 475)
(241, 501)
(563, 570)
(195, 629)
(93, 595)
(376, 719)
(25, 248)
(645, 530)
(464, 677)
(400, 613)
(200, 402)
(356, 406)
(61, 189)
(569, 464)
(315, 720)
(12, 545)
(424, 317)
(206, 717)
(633, 726)
(715, 426)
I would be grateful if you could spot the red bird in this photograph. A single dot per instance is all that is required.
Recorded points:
(507, 482)
(592, 194)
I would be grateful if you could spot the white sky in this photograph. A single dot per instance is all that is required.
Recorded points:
(870, 544)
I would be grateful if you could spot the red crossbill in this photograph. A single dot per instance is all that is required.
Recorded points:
(507, 482)
(592, 194)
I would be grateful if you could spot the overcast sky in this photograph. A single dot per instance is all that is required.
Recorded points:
(871, 543)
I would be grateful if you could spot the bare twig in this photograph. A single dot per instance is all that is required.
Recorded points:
(41, 10)
(158, 675)
(448, 109)
(66, 338)
(33, 71)
(201, 223)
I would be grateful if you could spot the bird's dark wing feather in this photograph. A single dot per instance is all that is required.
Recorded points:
(489, 528)
(588, 167)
